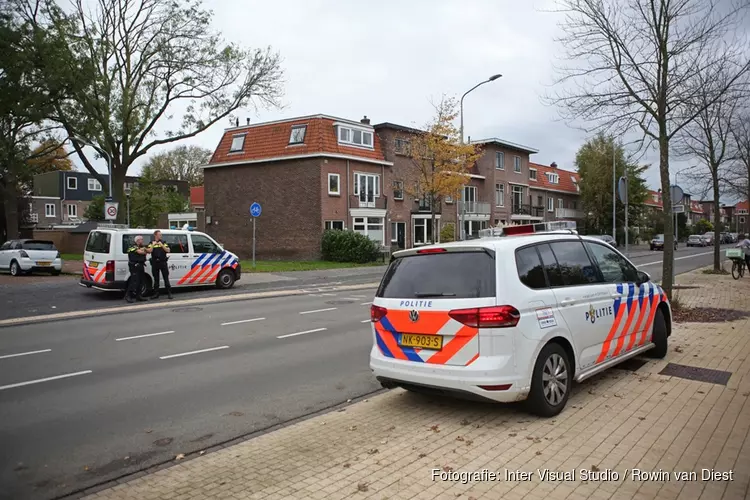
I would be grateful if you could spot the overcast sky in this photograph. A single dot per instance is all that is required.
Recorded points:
(387, 59)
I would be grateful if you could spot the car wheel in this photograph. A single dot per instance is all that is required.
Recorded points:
(659, 337)
(15, 269)
(551, 382)
(225, 279)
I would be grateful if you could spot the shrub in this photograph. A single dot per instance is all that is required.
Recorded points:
(348, 246)
(447, 233)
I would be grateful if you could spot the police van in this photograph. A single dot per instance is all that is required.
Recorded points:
(518, 314)
(195, 259)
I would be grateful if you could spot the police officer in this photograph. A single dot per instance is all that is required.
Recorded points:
(137, 266)
(159, 255)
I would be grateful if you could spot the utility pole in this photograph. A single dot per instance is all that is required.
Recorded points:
(614, 192)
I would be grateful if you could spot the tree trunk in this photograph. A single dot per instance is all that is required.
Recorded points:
(432, 218)
(118, 192)
(668, 264)
(717, 221)
(10, 204)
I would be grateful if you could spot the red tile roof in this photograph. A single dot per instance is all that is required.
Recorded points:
(565, 182)
(696, 207)
(271, 141)
(653, 199)
(197, 196)
(743, 205)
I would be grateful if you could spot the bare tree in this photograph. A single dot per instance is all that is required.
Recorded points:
(738, 178)
(633, 66)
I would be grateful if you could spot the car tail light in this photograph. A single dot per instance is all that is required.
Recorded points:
(58, 256)
(23, 254)
(432, 250)
(377, 313)
(487, 317)
(109, 271)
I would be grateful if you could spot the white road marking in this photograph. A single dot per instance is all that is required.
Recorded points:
(301, 333)
(366, 303)
(142, 336)
(242, 321)
(319, 310)
(366, 321)
(327, 294)
(359, 296)
(48, 379)
(24, 353)
(676, 258)
(194, 352)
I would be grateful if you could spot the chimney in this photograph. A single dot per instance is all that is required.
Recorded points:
(553, 165)
(248, 120)
(365, 120)
(237, 122)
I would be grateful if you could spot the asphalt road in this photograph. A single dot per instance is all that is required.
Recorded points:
(83, 401)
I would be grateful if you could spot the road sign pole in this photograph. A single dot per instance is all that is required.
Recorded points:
(255, 211)
(253, 242)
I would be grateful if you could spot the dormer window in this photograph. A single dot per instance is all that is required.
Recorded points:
(532, 174)
(298, 134)
(553, 178)
(355, 136)
(238, 142)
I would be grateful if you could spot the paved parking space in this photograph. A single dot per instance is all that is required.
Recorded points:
(625, 435)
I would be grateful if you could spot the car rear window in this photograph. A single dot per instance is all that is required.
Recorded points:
(98, 242)
(38, 245)
(456, 275)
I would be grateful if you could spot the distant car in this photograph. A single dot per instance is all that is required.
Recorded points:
(27, 256)
(696, 240)
(726, 238)
(606, 238)
(735, 237)
(658, 243)
(709, 237)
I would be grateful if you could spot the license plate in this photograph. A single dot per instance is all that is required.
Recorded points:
(93, 264)
(43, 263)
(424, 341)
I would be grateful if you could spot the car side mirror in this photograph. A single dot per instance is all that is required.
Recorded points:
(643, 277)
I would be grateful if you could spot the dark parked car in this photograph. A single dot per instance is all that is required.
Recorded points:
(658, 243)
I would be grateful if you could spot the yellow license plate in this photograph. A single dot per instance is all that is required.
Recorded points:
(43, 263)
(94, 264)
(424, 341)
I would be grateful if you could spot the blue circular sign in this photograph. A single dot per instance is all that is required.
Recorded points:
(255, 209)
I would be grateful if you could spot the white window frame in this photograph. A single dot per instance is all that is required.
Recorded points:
(295, 128)
(329, 224)
(338, 185)
(517, 164)
(394, 231)
(72, 210)
(426, 221)
(532, 177)
(499, 160)
(550, 204)
(75, 182)
(357, 182)
(366, 223)
(560, 203)
(94, 185)
(448, 199)
(553, 178)
(233, 148)
(47, 212)
(349, 139)
(397, 189)
(742, 220)
(500, 190)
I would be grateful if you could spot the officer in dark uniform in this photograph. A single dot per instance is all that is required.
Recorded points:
(159, 256)
(137, 265)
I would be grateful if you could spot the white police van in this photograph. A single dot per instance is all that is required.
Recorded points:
(195, 259)
(512, 318)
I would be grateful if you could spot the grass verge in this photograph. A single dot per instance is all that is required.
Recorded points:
(72, 256)
(281, 266)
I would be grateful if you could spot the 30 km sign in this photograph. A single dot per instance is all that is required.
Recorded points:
(110, 210)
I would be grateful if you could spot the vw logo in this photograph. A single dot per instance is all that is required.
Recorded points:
(414, 316)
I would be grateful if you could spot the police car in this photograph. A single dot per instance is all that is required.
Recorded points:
(195, 259)
(513, 317)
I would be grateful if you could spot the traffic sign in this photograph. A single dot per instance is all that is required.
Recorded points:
(622, 189)
(678, 209)
(110, 210)
(255, 209)
(676, 193)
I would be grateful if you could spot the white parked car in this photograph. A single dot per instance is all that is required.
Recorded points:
(29, 256)
(513, 318)
(696, 240)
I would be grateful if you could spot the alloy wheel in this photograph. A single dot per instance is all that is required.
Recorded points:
(554, 379)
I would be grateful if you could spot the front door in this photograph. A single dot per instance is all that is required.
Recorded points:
(206, 260)
(470, 199)
(398, 234)
(517, 199)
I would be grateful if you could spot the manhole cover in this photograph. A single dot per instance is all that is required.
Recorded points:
(339, 302)
(632, 365)
(696, 374)
(187, 309)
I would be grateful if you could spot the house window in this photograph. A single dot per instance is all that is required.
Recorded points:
(500, 195)
(422, 231)
(500, 160)
(540, 201)
(560, 203)
(354, 136)
(335, 224)
(367, 188)
(372, 227)
(742, 220)
(550, 204)
(448, 199)
(298, 134)
(72, 210)
(532, 174)
(575, 205)
(238, 142)
(94, 185)
(398, 190)
(334, 184)
(553, 178)
(72, 183)
(402, 146)
(49, 210)
(517, 164)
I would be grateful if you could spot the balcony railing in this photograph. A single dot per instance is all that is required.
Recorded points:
(422, 205)
(568, 213)
(522, 209)
(476, 207)
(33, 218)
(362, 201)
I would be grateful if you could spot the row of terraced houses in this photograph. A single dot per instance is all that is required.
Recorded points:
(320, 172)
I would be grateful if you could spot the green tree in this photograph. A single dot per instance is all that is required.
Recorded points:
(182, 163)
(161, 74)
(703, 226)
(594, 162)
(149, 199)
(95, 210)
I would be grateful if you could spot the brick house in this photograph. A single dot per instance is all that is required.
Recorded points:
(308, 173)
(556, 191)
(742, 214)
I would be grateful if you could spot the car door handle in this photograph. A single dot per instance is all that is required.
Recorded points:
(616, 295)
(567, 302)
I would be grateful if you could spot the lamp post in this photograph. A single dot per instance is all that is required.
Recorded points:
(462, 207)
(103, 153)
(127, 197)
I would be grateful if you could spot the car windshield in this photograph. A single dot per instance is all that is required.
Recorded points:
(659, 237)
(38, 245)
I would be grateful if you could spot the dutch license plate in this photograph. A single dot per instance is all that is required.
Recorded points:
(424, 341)
(43, 263)
(93, 264)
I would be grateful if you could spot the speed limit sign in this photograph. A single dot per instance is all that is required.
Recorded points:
(110, 210)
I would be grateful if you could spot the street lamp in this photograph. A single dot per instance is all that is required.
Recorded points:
(461, 107)
(103, 153)
(127, 197)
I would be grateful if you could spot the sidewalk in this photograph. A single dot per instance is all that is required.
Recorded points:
(398, 445)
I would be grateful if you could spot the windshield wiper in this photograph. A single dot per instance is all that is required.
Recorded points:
(422, 295)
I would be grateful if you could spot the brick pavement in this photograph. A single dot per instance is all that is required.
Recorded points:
(387, 446)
